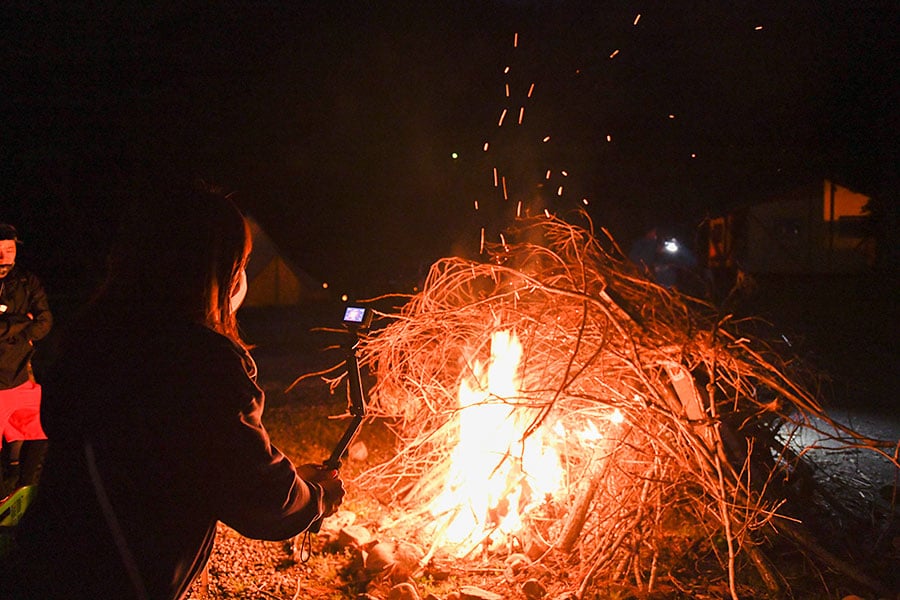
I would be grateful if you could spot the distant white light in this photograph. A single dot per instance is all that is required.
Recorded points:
(454, 155)
(671, 246)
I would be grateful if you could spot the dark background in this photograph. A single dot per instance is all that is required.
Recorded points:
(335, 121)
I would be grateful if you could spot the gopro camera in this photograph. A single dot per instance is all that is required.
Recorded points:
(357, 317)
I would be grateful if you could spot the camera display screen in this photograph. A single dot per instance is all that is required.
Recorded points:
(354, 314)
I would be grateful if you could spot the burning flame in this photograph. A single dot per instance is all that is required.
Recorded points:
(495, 476)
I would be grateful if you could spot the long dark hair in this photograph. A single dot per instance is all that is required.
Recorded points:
(179, 254)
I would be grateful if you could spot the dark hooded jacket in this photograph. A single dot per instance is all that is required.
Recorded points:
(24, 318)
(155, 435)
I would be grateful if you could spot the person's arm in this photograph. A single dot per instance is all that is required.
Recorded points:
(39, 308)
(36, 320)
(260, 493)
(13, 325)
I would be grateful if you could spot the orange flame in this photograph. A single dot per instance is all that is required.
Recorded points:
(496, 477)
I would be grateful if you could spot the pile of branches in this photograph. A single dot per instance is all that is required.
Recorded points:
(701, 404)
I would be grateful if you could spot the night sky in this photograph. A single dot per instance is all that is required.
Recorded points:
(335, 122)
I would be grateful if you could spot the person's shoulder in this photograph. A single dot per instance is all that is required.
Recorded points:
(25, 277)
(202, 336)
(217, 349)
(214, 362)
(20, 273)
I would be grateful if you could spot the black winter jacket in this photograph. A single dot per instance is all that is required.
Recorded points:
(24, 318)
(155, 435)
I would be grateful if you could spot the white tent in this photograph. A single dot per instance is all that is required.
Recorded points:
(272, 279)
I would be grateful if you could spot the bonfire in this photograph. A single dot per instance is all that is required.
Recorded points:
(553, 406)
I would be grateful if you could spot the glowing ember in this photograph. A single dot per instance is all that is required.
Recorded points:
(495, 476)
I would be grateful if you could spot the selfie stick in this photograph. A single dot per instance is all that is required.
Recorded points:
(357, 403)
(355, 318)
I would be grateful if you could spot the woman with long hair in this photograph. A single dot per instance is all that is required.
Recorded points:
(154, 419)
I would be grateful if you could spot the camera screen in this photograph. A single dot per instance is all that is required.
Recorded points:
(354, 314)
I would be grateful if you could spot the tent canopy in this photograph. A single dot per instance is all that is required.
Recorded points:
(272, 279)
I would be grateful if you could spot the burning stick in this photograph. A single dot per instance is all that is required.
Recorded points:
(595, 336)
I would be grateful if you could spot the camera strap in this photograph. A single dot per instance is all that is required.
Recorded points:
(112, 521)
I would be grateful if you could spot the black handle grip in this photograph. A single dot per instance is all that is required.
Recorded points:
(357, 395)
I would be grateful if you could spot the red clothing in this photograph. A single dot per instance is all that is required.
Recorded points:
(20, 417)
